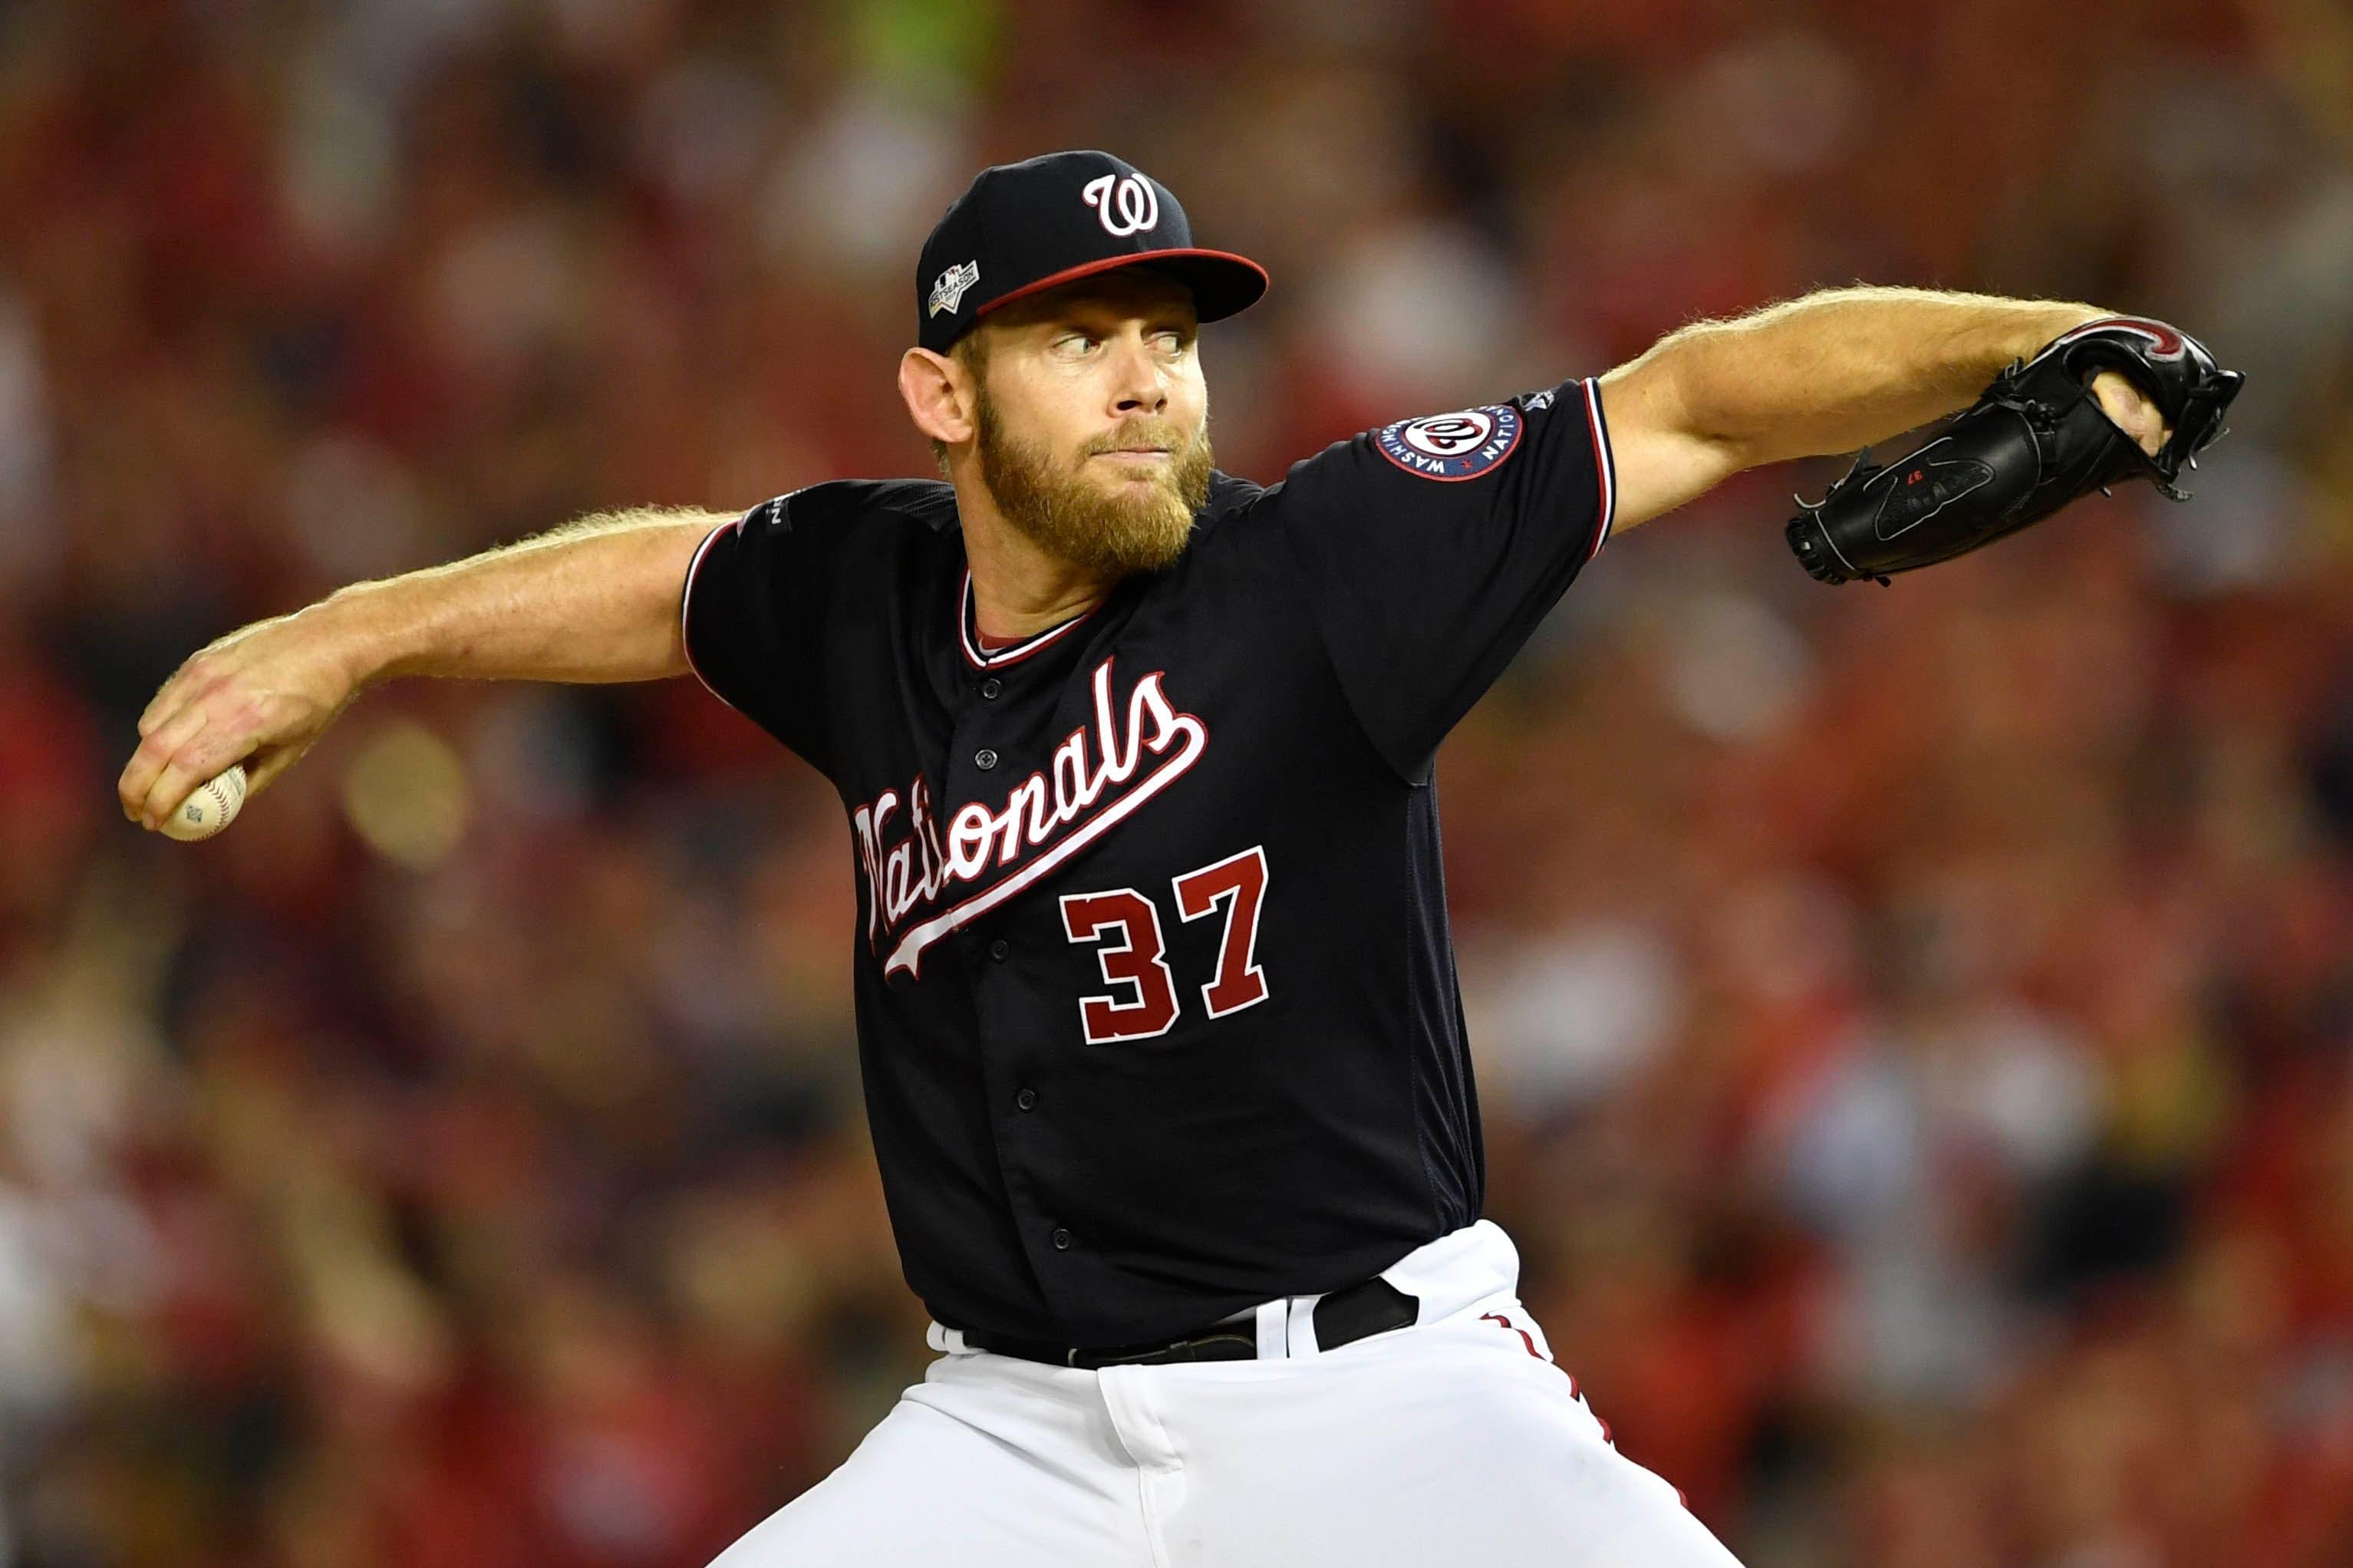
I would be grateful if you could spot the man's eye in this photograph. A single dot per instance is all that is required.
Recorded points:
(1078, 343)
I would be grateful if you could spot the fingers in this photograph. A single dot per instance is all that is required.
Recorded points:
(2130, 410)
(153, 758)
(186, 750)
(204, 753)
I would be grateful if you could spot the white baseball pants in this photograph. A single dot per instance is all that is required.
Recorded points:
(1454, 1441)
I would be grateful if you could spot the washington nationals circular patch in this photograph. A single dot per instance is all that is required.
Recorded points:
(1460, 445)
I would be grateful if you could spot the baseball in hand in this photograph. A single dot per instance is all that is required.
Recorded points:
(210, 807)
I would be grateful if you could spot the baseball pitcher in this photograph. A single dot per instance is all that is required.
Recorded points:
(1161, 1041)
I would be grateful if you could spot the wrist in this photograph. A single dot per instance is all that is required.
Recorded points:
(361, 642)
(2055, 320)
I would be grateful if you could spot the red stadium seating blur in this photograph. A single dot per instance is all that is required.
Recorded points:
(1915, 1025)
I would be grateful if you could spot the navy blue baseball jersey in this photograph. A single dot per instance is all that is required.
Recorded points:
(1156, 1005)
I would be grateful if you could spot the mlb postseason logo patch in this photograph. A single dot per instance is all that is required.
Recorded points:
(1450, 446)
(947, 294)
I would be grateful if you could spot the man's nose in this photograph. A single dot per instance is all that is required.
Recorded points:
(1138, 382)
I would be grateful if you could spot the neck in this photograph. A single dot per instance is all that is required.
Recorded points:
(1018, 588)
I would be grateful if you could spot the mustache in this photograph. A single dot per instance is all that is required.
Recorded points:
(1139, 433)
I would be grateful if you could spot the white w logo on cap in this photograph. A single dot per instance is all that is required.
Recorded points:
(1127, 203)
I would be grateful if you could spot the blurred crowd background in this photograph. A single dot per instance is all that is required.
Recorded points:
(1915, 1027)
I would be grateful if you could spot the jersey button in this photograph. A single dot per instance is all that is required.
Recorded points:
(984, 759)
(1001, 949)
(1027, 1099)
(1061, 1239)
(990, 688)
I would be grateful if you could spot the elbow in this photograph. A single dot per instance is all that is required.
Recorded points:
(1665, 453)
(1673, 390)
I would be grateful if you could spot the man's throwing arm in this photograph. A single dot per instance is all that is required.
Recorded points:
(594, 601)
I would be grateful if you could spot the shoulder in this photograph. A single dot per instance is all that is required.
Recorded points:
(1230, 495)
(1222, 523)
(1242, 520)
(1533, 453)
(843, 505)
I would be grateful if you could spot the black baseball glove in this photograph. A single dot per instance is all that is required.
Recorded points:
(2034, 441)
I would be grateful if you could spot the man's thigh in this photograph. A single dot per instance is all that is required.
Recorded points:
(1457, 1446)
(966, 1475)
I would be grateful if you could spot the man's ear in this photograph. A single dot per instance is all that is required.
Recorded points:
(939, 395)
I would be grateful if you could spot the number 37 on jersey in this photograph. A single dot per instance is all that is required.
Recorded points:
(1123, 926)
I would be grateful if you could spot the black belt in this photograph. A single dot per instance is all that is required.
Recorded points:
(1374, 1306)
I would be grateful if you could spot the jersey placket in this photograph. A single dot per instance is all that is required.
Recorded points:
(1005, 728)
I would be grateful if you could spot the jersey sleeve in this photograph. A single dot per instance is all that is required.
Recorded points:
(1430, 548)
(752, 610)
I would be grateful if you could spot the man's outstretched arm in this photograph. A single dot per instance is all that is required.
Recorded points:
(1830, 373)
(596, 600)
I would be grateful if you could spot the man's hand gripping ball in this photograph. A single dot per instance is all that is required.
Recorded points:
(251, 703)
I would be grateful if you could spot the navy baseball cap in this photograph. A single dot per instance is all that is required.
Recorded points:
(1021, 227)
